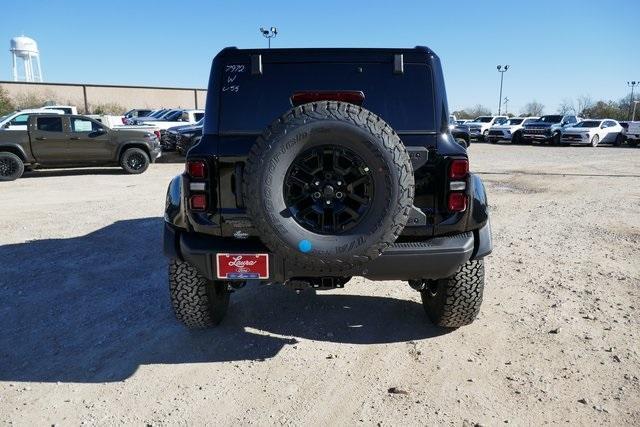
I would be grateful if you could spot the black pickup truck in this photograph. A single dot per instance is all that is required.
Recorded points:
(56, 141)
(316, 165)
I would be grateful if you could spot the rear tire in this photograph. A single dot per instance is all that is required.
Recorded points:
(619, 140)
(516, 138)
(197, 302)
(11, 167)
(134, 160)
(455, 301)
(462, 142)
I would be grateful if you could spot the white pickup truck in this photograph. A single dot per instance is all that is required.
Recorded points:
(633, 134)
(185, 118)
(18, 120)
(479, 128)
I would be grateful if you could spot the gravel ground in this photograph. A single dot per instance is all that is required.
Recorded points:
(88, 335)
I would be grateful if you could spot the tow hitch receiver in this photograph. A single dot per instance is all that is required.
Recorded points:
(317, 283)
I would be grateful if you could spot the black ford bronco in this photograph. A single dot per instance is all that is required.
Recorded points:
(316, 165)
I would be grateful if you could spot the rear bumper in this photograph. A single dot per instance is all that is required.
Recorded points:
(435, 258)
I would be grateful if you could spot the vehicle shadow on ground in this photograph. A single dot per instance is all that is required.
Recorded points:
(46, 173)
(94, 308)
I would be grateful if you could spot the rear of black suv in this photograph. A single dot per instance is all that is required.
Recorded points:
(316, 165)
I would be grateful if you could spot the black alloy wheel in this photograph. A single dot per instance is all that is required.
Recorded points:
(328, 189)
(136, 161)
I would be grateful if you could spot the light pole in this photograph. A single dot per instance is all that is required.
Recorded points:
(269, 34)
(502, 70)
(506, 106)
(635, 104)
(632, 85)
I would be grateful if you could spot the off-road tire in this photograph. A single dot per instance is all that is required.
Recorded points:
(134, 160)
(196, 301)
(455, 301)
(347, 126)
(11, 167)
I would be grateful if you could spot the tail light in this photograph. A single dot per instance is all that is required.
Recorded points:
(350, 96)
(459, 169)
(196, 169)
(157, 133)
(198, 202)
(457, 202)
(458, 173)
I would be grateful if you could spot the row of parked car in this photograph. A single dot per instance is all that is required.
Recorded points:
(179, 129)
(553, 129)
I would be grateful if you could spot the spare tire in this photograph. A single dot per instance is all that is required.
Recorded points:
(329, 185)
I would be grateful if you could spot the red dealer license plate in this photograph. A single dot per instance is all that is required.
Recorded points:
(242, 266)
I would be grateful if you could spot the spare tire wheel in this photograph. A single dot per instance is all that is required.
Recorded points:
(329, 185)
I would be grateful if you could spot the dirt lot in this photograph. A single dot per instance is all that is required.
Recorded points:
(88, 335)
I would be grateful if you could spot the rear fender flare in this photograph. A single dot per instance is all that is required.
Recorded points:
(174, 211)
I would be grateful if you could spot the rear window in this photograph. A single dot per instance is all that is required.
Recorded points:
(49, 124)
(249, 103)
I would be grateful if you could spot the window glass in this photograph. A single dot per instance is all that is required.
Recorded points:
(588, 124)
(198, 117)
(22, 119)
(50, 124)
(249, 103)
(83, 125)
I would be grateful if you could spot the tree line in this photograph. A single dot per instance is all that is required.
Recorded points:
(583, 106)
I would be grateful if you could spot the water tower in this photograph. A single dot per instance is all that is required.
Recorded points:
(24, 50)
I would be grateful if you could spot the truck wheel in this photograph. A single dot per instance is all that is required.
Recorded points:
(455, 301)
(11, 167)
(329, 186)
(516, 138)
(197, 302)
(134, 160)
(595, 141)
(619, 140)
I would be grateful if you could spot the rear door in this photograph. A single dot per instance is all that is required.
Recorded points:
(89, 141)
(49, 139)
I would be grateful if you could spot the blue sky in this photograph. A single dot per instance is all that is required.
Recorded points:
(556, 49)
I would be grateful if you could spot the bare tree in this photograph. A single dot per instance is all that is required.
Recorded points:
(533, 108)
(583, 103)
(566, 107)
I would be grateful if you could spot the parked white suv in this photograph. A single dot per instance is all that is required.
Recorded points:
(479, 128)
(511, 130)
(593, 132)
